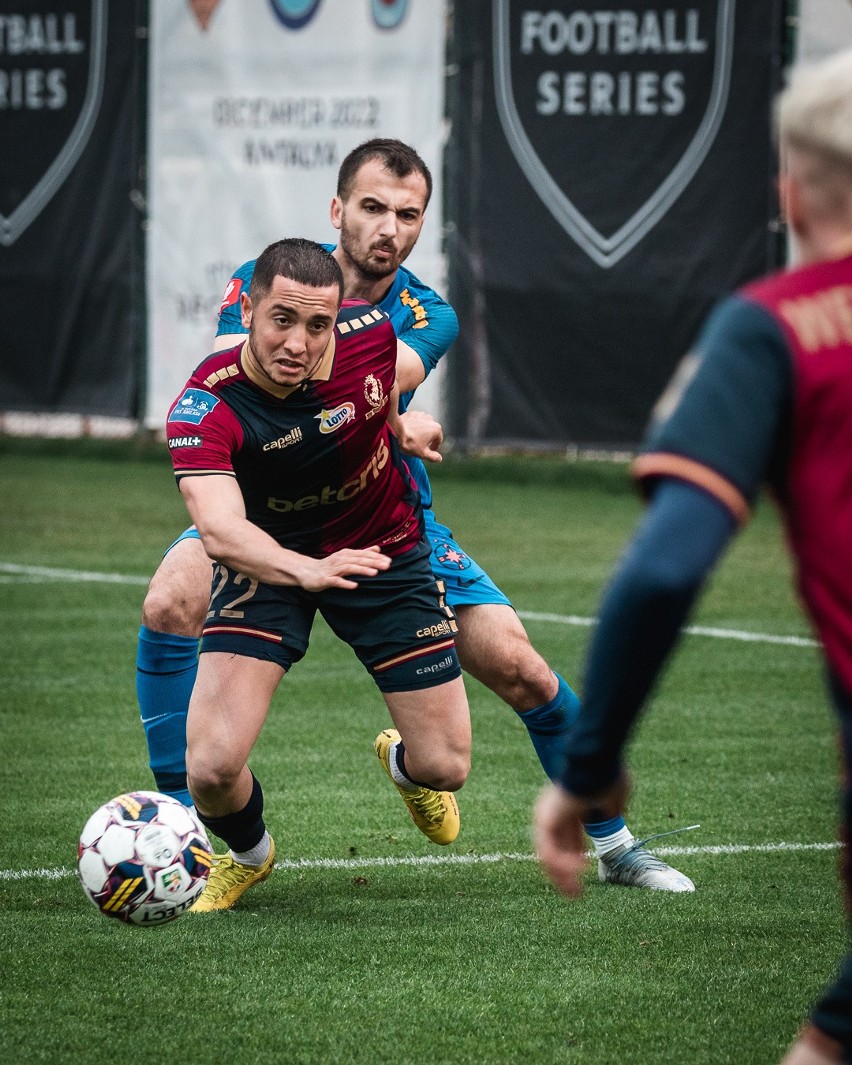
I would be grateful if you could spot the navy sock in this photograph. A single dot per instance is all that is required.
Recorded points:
(244, 828)
(549, 727)
(166, 666)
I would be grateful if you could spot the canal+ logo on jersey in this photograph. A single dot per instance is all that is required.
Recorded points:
(296, 14)
(332, 420)
(193, 406)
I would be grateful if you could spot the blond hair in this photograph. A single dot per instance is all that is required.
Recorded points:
(814, 127)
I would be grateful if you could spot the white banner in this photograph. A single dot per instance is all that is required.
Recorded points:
(253, 105)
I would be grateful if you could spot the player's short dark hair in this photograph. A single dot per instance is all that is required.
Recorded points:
(298, 259)
(396, 156)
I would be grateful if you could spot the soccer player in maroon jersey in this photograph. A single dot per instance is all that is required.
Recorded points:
(770, 399)
(383, 191)
(285, 459)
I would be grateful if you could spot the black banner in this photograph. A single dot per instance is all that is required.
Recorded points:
(70, 269)
(610, 175)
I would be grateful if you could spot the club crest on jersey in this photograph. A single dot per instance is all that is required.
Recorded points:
(650, 86)
(449, 555)
(332, 420)
(193, 406)
(374, 393)
(231, 294)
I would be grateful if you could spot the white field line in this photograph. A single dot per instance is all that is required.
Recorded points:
(45, 573)
(457, 859)
(691, 630)
(40, 574)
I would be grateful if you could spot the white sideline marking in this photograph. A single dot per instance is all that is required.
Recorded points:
(691, 630)
(459, 859)
(39, 574)
(45, 573)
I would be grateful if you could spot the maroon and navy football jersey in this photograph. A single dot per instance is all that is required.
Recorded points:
(770, 401)
(317, 464)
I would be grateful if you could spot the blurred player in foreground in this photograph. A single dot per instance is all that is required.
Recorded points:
(383, 191)
(770, 400)
(286, 462)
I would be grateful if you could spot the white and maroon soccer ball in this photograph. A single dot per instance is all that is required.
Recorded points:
(143, 858)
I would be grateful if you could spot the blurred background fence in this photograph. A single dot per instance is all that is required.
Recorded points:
(603, 173)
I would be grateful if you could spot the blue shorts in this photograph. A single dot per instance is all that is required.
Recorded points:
(466, 583)
(188, 534)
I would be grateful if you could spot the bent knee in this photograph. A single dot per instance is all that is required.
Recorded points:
(176, 610)
(209, 780)
(207, 776)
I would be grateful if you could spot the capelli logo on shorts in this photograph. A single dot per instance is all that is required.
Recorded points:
(437, 667)
(443, 628)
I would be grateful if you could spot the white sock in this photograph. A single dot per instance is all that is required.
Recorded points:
(618, 839)
(398, 776)
(257, 855)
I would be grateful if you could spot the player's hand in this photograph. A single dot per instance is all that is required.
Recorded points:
(560, 839)
(420, 434)
(338, 569)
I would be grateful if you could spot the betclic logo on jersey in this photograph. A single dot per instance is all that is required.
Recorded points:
(52, 63)
(610, 109)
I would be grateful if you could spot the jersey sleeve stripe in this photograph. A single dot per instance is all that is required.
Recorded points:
(664, 464)
(203, 473)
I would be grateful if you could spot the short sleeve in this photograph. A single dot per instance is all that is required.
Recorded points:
(720, 422)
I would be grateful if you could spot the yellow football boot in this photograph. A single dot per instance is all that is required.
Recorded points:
(229, 879)
(435, 813)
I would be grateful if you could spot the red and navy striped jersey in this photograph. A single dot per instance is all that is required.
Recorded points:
(318, 465)
(771, 401)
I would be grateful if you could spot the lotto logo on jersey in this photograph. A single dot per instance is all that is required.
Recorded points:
(193, 406)
(332, 420)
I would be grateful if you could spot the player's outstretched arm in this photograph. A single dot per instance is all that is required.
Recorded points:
(216, 506)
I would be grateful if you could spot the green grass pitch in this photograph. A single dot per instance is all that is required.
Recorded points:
(369, 945)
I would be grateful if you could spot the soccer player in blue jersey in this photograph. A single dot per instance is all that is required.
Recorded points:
(769, 399)
(383, 191)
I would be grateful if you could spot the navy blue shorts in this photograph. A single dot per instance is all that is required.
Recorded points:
(465, 582)
(397, 622)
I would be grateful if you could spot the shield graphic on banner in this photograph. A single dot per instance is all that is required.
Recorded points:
(54, 75)
(610, 112)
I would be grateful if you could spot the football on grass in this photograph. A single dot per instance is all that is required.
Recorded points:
(143, 858)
